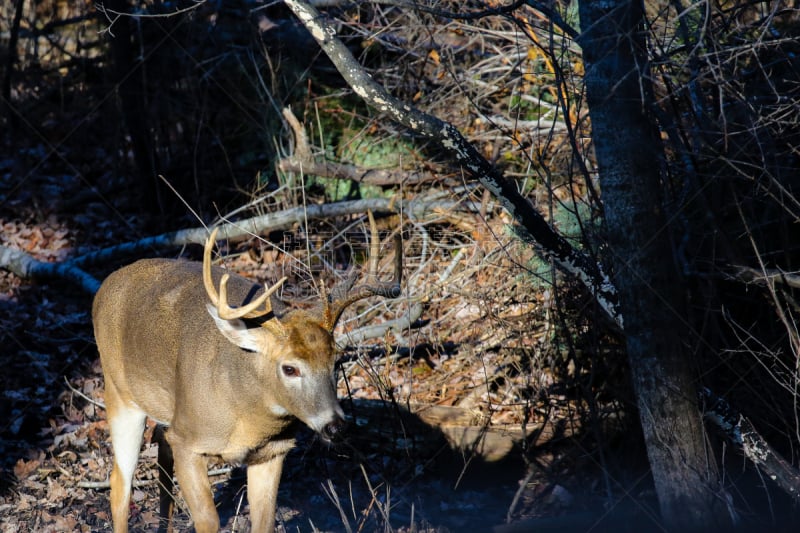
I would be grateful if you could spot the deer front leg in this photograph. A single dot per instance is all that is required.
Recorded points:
(262, 493)
(191, 471)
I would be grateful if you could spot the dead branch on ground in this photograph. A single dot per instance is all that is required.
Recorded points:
(741, 432)
(26, 266)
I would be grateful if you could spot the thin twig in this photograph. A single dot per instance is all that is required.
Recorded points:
(92, 401)
(144, 482)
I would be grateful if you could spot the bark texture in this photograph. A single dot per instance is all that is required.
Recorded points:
(650, 288)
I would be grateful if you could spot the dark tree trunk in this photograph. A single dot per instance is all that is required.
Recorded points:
(132, 91)
(651, 292)
(11, 116)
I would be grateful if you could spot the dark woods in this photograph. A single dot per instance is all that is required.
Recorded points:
(658, 134)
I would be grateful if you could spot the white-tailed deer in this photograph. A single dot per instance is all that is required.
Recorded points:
(230, 382)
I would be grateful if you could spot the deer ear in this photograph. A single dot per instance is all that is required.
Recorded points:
(237, 331)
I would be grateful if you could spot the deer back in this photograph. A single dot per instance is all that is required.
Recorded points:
(168, 352)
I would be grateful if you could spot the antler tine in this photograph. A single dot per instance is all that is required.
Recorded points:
(220, 299)
(249, 310)
(207, 281)
(387, 289)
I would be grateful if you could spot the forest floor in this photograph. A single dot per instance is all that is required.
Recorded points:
(531, 433)
(56, 454)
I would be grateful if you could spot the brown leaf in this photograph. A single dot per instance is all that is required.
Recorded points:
(56, 491)
(57, 523)
(24, 469)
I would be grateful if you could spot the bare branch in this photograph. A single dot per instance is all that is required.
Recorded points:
(137, 483)
(752, 275)
(534, 229)
(373, 331)
(243, 229)
(368, 176)
(26, 266)
(741, 432)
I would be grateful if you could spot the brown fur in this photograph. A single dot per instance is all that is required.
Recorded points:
(165, 356)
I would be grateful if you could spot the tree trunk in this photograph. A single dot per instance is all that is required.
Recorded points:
(12, 119)
(131, 88)
(651, 293)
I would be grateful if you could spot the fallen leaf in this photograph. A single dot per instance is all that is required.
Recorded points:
(24, 469)
(56, 491)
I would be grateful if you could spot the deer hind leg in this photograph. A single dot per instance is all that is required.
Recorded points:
(127, 429)
(166, 486)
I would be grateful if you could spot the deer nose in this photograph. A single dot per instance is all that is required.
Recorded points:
(332, 429)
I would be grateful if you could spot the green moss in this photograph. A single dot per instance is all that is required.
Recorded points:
(341, 126)
(577, 224)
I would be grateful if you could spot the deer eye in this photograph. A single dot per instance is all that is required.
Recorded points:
(290, 371)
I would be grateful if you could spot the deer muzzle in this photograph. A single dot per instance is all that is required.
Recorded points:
(332, 429)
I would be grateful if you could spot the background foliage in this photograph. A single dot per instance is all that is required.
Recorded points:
(96, 106)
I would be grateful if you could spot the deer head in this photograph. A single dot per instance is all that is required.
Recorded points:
(201, 352)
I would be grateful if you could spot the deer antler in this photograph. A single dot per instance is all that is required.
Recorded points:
(344, 294)
(220, 300)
